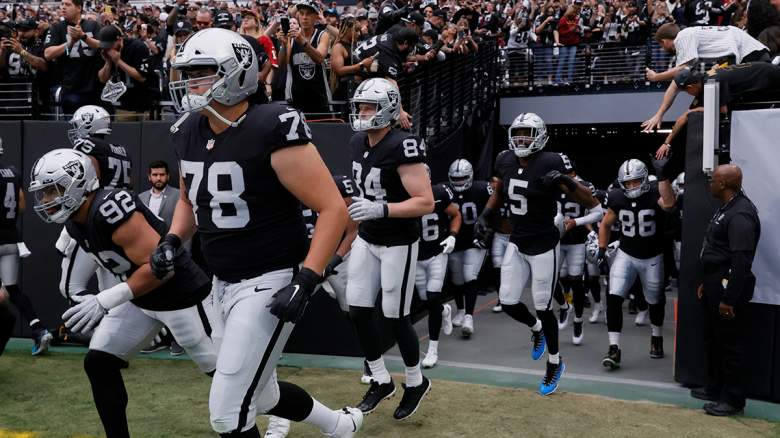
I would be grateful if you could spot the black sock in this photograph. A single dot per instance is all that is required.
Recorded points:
(367, 332)
(295, 404)
(408, 343)
(519, 312)
(578, 296)
(495, 274)
(23, 303)
(550, 327)
(434, 314)
(565, 284)
(7, 321)
(594, 286)
(558, 295)
(657, 312)
(108, 391)
(253, 432)
(470, 290)
(458, 295)
(614, 313)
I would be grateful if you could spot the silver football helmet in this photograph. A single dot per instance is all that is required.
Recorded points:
(89, 120)
(235, 71)
(461, 175)
(527, 134)
(678, 185)
(382, 93)
(630, 170)
(61, 180)
(592, 248)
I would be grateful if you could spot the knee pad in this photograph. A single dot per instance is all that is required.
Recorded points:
(98, 363)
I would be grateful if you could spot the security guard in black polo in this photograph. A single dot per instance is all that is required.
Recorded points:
(726, 256)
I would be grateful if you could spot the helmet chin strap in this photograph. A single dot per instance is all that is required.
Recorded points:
(223, 119)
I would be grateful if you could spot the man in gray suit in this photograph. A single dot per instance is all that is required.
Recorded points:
(161, 198)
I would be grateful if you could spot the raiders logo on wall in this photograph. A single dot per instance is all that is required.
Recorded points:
(244, 54)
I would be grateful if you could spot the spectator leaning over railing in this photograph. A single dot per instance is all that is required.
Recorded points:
(567, 38)
(72, 44)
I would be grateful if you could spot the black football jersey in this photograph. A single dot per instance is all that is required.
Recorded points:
(347, 189)
(113, 160)
(10, 182)
(571, 209)
(109, 210)
(641, 222)
(435, 227)
(471, 203)
(533, 205)
(375, 170)
(249, 223)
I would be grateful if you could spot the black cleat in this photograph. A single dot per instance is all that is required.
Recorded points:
(703, 394)
(722, 409)
(411, 399)
(375, 394)
(612, 359)
(657, 347)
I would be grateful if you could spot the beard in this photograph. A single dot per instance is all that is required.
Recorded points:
(159, 185)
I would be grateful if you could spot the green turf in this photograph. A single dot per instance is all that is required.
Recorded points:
(50, 396)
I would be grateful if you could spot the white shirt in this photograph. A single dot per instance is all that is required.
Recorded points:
(710, 42)
(155, 201)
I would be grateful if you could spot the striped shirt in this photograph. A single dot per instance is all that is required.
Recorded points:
(711, 42)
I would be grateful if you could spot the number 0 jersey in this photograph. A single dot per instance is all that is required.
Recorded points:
(114, 162)
(641, 220)
(532, 205)
(109, 210)
(375, 170)
(434, 227)
(571, 209)
(10, 182)
(249, 223)
(471, 202)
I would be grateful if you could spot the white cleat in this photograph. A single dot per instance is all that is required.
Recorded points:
(564, 315)
(642, 318)
(446, 319)
(431, 358)
(277, 427)
(594, 316)
(350, 421)
(468, 327)
(497, 308)
(457, 320)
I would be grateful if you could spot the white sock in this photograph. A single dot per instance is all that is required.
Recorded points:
(577, 319)
(538, 326)
(565, 305)
(378, 371)
(322, 417)
(554, 358)
(413, 376)
(433, 346)
(657, 330)
(614, 338)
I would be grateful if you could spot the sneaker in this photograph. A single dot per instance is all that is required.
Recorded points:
(411, 399)
(497, 308)
(612, 359)
(642, 318)
(375, 394)
(42, 341)
(551, 378)
(576, 337)
(538, 344)
(350, 421)
(656, 347)
(446, 319)
(366, 377)
(154, 347)
(277, 427)
(563, 317)
(703, 394)
(632, 309)
(594, 315)
(457, 320)
(176, 349)
(468, 327)
(431, 357)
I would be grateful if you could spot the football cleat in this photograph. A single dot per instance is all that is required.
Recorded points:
(176, 349)
(468, 327)
(538, 344)
(375, 394)
(446, 319)
(42, 341)
(577, 336)
(642, 318)
(457, 320)
(551, 378)
(431, 357)
(497, 308)
(563, 317)
(350, 421)
(411, 399)
(595, 312)
(277, 427)
(612, 359)
(656, 347)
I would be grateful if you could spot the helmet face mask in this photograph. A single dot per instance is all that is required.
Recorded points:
(461, 175)
(527, 135)
(381, 95)
(61, 180)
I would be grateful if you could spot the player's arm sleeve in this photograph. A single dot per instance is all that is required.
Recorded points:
(411, 150)
(290, 129)
(115, 209)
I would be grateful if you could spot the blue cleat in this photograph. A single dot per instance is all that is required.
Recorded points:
(539, 344)
(42, 340)
(551, 378)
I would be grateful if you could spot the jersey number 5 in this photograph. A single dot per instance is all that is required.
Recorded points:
(517, 198)
(221, 199)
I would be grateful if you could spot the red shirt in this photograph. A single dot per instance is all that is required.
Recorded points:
(568, 32)
(270, 50)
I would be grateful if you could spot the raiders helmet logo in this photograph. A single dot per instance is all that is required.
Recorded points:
(75, 169)
(87, 118)
(243, 54)
(393, 97)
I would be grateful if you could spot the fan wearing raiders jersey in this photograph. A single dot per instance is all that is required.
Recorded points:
(465, 262)
(395, 192)
(245, 171)
(120, 233)
(12, 207)
(640, 207)
(438, 232)
(532, 180)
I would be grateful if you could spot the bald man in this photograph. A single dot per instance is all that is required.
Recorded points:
(726, 256)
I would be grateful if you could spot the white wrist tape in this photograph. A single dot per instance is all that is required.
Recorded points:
(115, 296)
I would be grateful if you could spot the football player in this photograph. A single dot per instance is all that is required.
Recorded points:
(395, 191)
(532, 181)
(573, 246)
(438, 232)
(120, 232)
(465, 263)
(10, 255)
(640, 207)
(245, 170)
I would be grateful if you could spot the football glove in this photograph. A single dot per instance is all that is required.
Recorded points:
(601, 260)
(164, 256)
(331, 268)
(86, 315)
(362, 209)
(448, 245)
(554, 177)
(290, 302)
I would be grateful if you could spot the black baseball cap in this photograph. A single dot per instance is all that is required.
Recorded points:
(441, 13)
(108, 36)
(26, 24)
(415, 17)
(182, 26)
(686, 77)
(224, 20)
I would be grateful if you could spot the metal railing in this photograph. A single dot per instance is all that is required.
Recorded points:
(16, 100)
